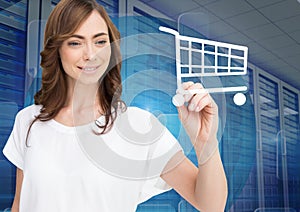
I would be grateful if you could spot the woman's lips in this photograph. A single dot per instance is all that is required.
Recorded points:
(89, 69)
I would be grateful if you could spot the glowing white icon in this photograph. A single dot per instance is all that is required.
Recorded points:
(191, 53)
(239, 99)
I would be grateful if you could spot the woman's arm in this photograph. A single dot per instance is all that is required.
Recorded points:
(19, 180)
(205, 186)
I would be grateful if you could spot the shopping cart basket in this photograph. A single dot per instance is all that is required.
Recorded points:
(225, 60)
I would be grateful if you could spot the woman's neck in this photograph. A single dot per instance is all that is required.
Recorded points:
(82, 105)
(81, 95)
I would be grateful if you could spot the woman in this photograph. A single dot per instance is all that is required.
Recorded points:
(81, 82)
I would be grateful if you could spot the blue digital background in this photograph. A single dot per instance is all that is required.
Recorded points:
(255, 168)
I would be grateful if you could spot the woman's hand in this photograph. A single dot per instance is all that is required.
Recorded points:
(199, 117)
(205, 186)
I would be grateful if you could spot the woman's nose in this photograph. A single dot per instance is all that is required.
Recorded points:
(88, 52)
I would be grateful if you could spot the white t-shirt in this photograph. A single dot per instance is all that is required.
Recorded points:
(73, 169)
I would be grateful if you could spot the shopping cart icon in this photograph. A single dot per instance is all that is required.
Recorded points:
(191, 62)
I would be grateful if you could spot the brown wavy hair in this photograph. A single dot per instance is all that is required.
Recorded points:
(63, 21)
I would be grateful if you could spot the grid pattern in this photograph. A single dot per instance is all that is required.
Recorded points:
(270, 126)
(239, 152)
(292, 145)
(269, 28)
(13, 23)
(196, 58)
(200, 57)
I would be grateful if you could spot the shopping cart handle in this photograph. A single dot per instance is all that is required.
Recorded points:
(168, 30)
(214, 90)
(178, 100)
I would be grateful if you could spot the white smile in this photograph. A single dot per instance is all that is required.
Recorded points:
(89, 69)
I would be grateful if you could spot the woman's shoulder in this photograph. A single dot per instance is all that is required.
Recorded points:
(29, 112)
(136, 109)
(138, 119)
(136, 112)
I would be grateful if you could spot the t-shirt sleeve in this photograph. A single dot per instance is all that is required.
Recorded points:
(159, 154)
(156, 185)
(15, 145)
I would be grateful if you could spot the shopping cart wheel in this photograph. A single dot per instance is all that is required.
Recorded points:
(239, 99)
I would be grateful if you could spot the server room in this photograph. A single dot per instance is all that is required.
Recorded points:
(246, 52)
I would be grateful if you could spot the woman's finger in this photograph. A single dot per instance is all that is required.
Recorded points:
(192, 88)
(206, 102)
(186, 85)
(198, 102)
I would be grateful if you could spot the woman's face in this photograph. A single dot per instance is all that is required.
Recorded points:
(86, 54)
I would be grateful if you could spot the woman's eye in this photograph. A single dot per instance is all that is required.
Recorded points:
(73, 43)
(101, 42)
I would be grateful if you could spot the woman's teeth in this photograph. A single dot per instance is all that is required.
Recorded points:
(89, 68)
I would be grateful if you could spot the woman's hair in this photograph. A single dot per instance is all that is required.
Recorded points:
(64, 20)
